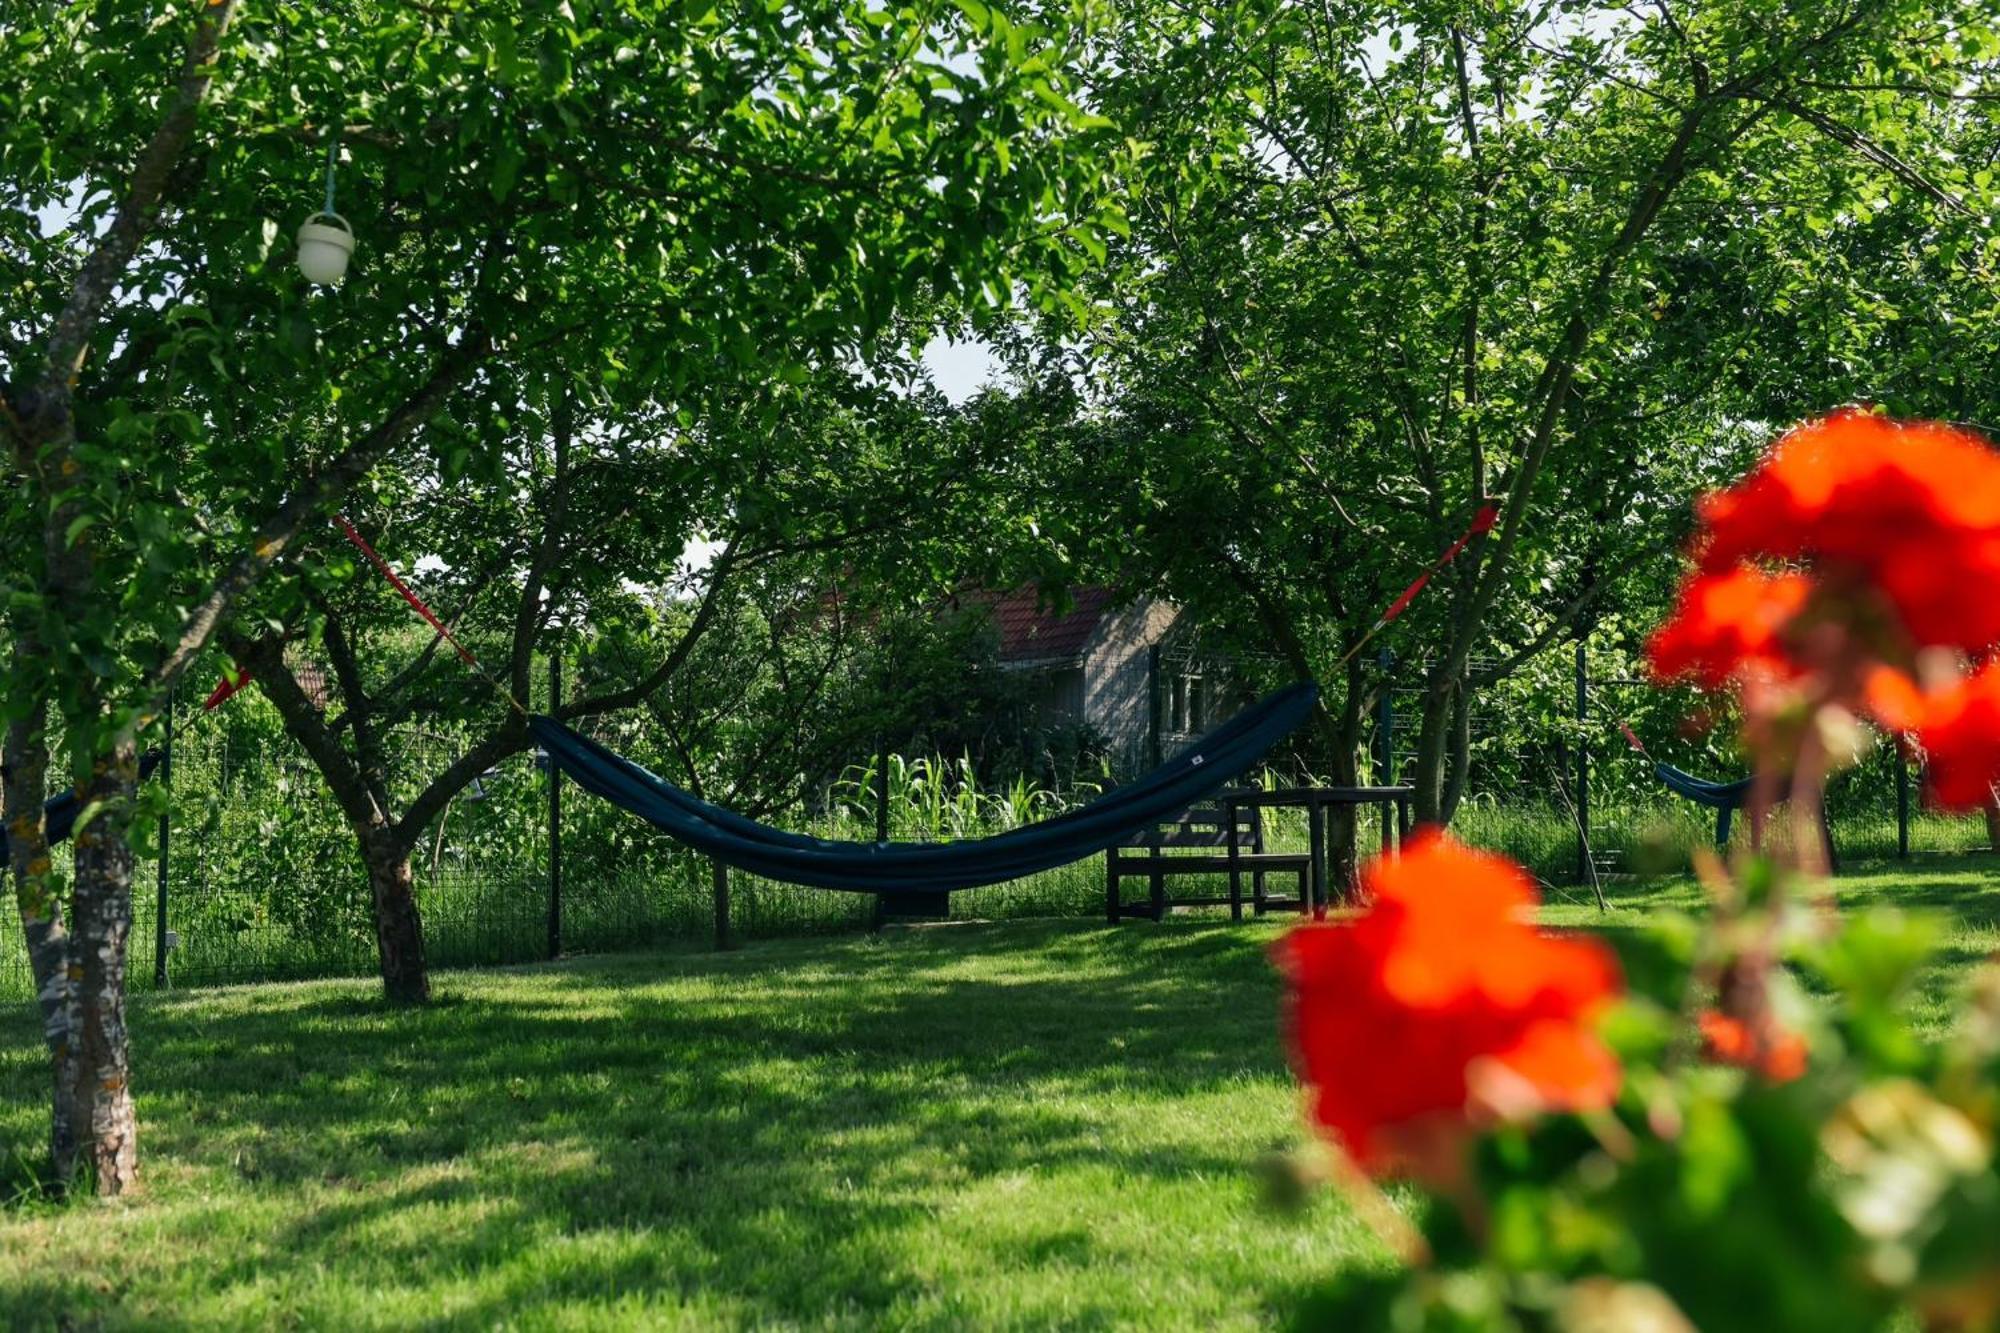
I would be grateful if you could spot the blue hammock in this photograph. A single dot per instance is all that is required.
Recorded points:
(59, 815)
(930, 867)
(1725, 798)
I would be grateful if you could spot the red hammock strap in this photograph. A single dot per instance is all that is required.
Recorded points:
(430, 616)
(233, 680)
(1482, 521)
(416, 602)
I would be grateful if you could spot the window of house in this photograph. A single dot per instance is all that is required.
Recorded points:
(1185, 710)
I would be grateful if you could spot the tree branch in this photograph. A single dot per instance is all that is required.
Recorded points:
(278, 531)
(527, 613)
(704, 616)
(69, 336)
(1857, 142)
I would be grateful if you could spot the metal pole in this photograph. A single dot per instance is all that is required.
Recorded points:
(1155, 746)
(166, 832)
(882, 788)
(721, 872)
(1582, 765)
(1902, 803)
(1385, 722)
(555, 816)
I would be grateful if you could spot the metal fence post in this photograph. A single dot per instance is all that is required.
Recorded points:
(1155, 743)
(555, 816)
(722, 903)
(166, 833)
(1385, 720)
(1582, 764)
(1902, 803)
(882, 788)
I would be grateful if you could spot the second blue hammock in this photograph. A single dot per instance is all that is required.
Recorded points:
(904, 867)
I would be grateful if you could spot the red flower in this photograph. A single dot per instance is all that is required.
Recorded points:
(1910, 510)
(1729, 625)
(1957, 725)
(1395, 1016)
(1780, 1056)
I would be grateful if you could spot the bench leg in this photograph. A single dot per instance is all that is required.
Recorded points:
(1159, 887)
(1110, 888)
(1259, 895)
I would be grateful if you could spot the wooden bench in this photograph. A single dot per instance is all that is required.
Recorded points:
(1224, 838)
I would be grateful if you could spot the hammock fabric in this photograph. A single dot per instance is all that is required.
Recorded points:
(930, 867)
(59, 815)
(1725, 798)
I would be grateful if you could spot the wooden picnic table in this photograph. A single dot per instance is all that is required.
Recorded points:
(1316, 801)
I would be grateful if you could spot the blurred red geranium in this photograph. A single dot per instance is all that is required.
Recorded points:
(1911, 510)
(1440, 995)
(1728, 625)
(1885, 541)
(1779, 1055)
(1956, 723)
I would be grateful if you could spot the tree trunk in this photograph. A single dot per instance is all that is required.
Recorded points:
(1343, 844)
(399, 927)
(103, 1129)
(1458, 756)
(42, 925)
(1433, 734)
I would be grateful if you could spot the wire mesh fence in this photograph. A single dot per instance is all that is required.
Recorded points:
(261, 878)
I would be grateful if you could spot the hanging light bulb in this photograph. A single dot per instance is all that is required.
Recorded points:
(324, 247)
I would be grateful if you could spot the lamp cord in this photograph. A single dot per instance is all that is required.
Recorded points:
(332, 156)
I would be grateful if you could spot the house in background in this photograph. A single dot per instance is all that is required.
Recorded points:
(1119, 669)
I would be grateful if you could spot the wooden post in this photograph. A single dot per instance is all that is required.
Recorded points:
(166, 833)
(1582, 765)
(1317, 893)
(555, 817)
(721, 874)
(1229, 814)
(1902, 803)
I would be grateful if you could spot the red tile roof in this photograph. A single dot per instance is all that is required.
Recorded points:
(1033, 632)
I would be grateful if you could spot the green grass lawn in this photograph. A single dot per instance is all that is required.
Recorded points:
(1029, 1124)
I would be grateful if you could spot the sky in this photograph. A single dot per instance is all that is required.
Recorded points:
(960, 369)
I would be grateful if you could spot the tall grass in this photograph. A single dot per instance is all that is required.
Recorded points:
(254, 897)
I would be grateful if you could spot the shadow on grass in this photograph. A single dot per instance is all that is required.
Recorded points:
(768, 1129)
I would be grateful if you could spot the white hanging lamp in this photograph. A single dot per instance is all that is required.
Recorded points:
(326, 240)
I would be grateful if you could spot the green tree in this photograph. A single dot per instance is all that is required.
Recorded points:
(576, 547)
(1393, 262)
(655, 195)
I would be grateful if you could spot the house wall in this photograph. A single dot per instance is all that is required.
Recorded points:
(1117, 692)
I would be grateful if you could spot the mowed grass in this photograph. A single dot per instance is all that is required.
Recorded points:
(1022, 1125)
(1959, 896)
(1029, 1125)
